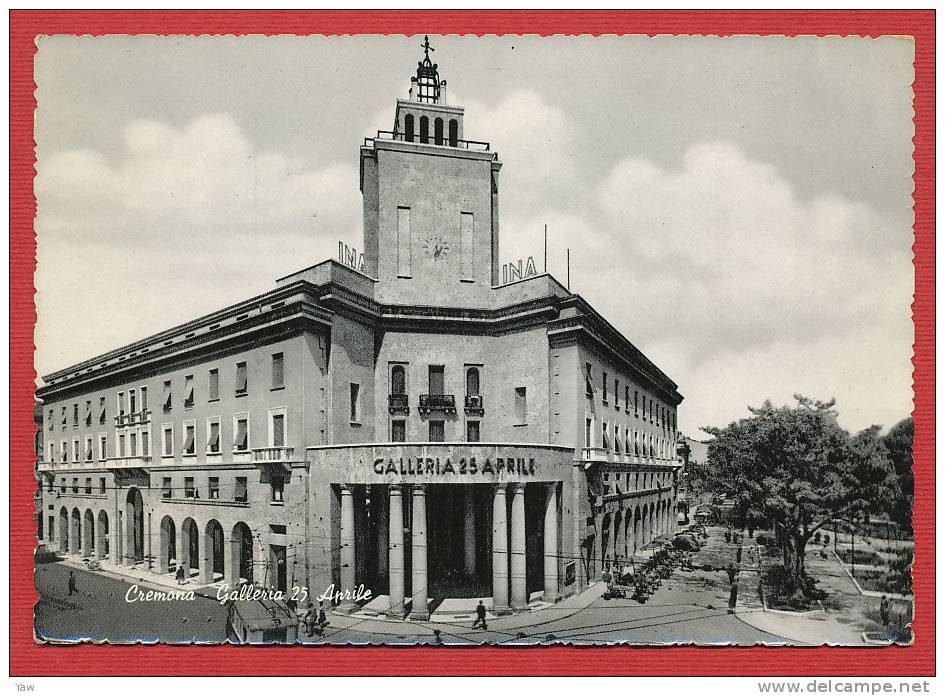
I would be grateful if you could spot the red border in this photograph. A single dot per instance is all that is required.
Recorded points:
(29, 658)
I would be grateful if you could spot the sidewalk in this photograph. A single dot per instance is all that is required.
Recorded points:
(143, 577)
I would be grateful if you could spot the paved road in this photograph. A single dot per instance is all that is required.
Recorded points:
(675, 614)
(99, 611)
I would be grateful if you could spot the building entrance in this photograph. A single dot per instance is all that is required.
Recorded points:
(459, 541)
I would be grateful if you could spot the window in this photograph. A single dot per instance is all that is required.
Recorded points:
(121, 444)
(167, 396)
(51, 414)
(133, 444)
(101, 410)
(588, 380)
(278, 371)
(617, 446)
(213, 488)
(437, 431)
(190, 436)
(408, 128)
(454, 132)
(651, 410)
(213, 436)
(132, 401)
(276, 485)
(626, 397)
(604, 383)
(88, 485)
(355, 403)
(398, 380)
(604, 436)
(521, 406)
(63, 416)
(636, 442)
(277, 429)
(472, 381)
(424, 129)
(404, 243)
(626, 441)
(241, 432)
(213, 388)
(52, 452)
(189, 490)
(167, 443)
(438, 131)
(75, 485)
(101, 486)
(167, 490)
(121, 403)
(472, 431)
(145, 443)
(467, 246)
(616, 393)
(89, 453)
(636, 396)
(75, 415)
(144, 399)
(88, 413)
(239, 491)
(189, 391)
(588, 430)
(241, 385)
(64, 453)
(436, 379)
(62, 486)
(76, 454)
(398, 431)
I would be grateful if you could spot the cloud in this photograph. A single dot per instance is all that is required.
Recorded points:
(192, 217)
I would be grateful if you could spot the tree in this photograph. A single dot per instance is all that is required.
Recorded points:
(898, 442)
(794, 466)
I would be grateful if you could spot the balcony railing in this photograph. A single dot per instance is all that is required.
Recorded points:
(431, 139)
(134, 418)
(135, 462)
(398, 403)
(474, 405)
(262, 455)
(437, 403)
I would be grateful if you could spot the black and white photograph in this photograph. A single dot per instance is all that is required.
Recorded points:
(443, 339)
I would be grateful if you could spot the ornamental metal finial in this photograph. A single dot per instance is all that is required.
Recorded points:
(426, 47)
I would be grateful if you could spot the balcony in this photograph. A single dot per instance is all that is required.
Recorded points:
(136, 462)
(398, 403)
(474, 405)
(437, 403)
(142, 417)
(273, 455)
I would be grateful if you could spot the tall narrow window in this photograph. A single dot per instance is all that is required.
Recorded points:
(398, 380)
(51, 414)
(636, 396)
(588, 436)
(604, 436)
(435, 379)
(190, 438)
(239, 491)
(437, 431)
(121, 403)
(616, 393)
(278, 430)
(189, 487)
(278, 371)
(102, 446)
(403, 242)
(241, 438)
(144, 398)
(408, 128)
(241, 380)
(604, 383)
(213, 385)
(454, 132)
(133, 444)
(167, 449)
(213, 437)
(132, 401)
(521, 406)
(398, 431)
(189, 391)
(355, 402)
(213, 487)
(167, 491)
(146, 443)
(438, 131)
(472, 431)
(626, 397)
(466, 245)
(88, 412)
(472, 381)
(101, 410)
(424, 129)
(75, 414)
(588, 380)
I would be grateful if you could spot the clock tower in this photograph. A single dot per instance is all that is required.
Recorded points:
(431, 229)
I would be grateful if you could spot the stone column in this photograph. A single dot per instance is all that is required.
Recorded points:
(418, 547)
(396, 550)
(551, 543)
(347, 547)
(500, 554)
(231, 560)
(163, 542)
(380, 522)
(519, 590)
(206, 567)
(618, 523)
(469, 530)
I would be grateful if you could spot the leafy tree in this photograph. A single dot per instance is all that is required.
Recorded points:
(794, 466)
(898, 442)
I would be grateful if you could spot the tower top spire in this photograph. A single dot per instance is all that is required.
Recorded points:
(427, 80)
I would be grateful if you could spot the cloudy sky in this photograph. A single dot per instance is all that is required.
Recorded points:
(740, 208)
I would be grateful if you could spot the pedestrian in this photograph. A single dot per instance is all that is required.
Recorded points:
(731, 573)
(884, 610)
(728, 536)
(308, 619)
(72, 586)
(481, 616)
(732, 598)
(322, 621)
(180, 575)
(436, 637)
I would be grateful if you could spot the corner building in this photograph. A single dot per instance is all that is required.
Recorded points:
(413, 425)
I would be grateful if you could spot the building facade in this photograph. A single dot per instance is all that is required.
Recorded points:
(411, 424)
